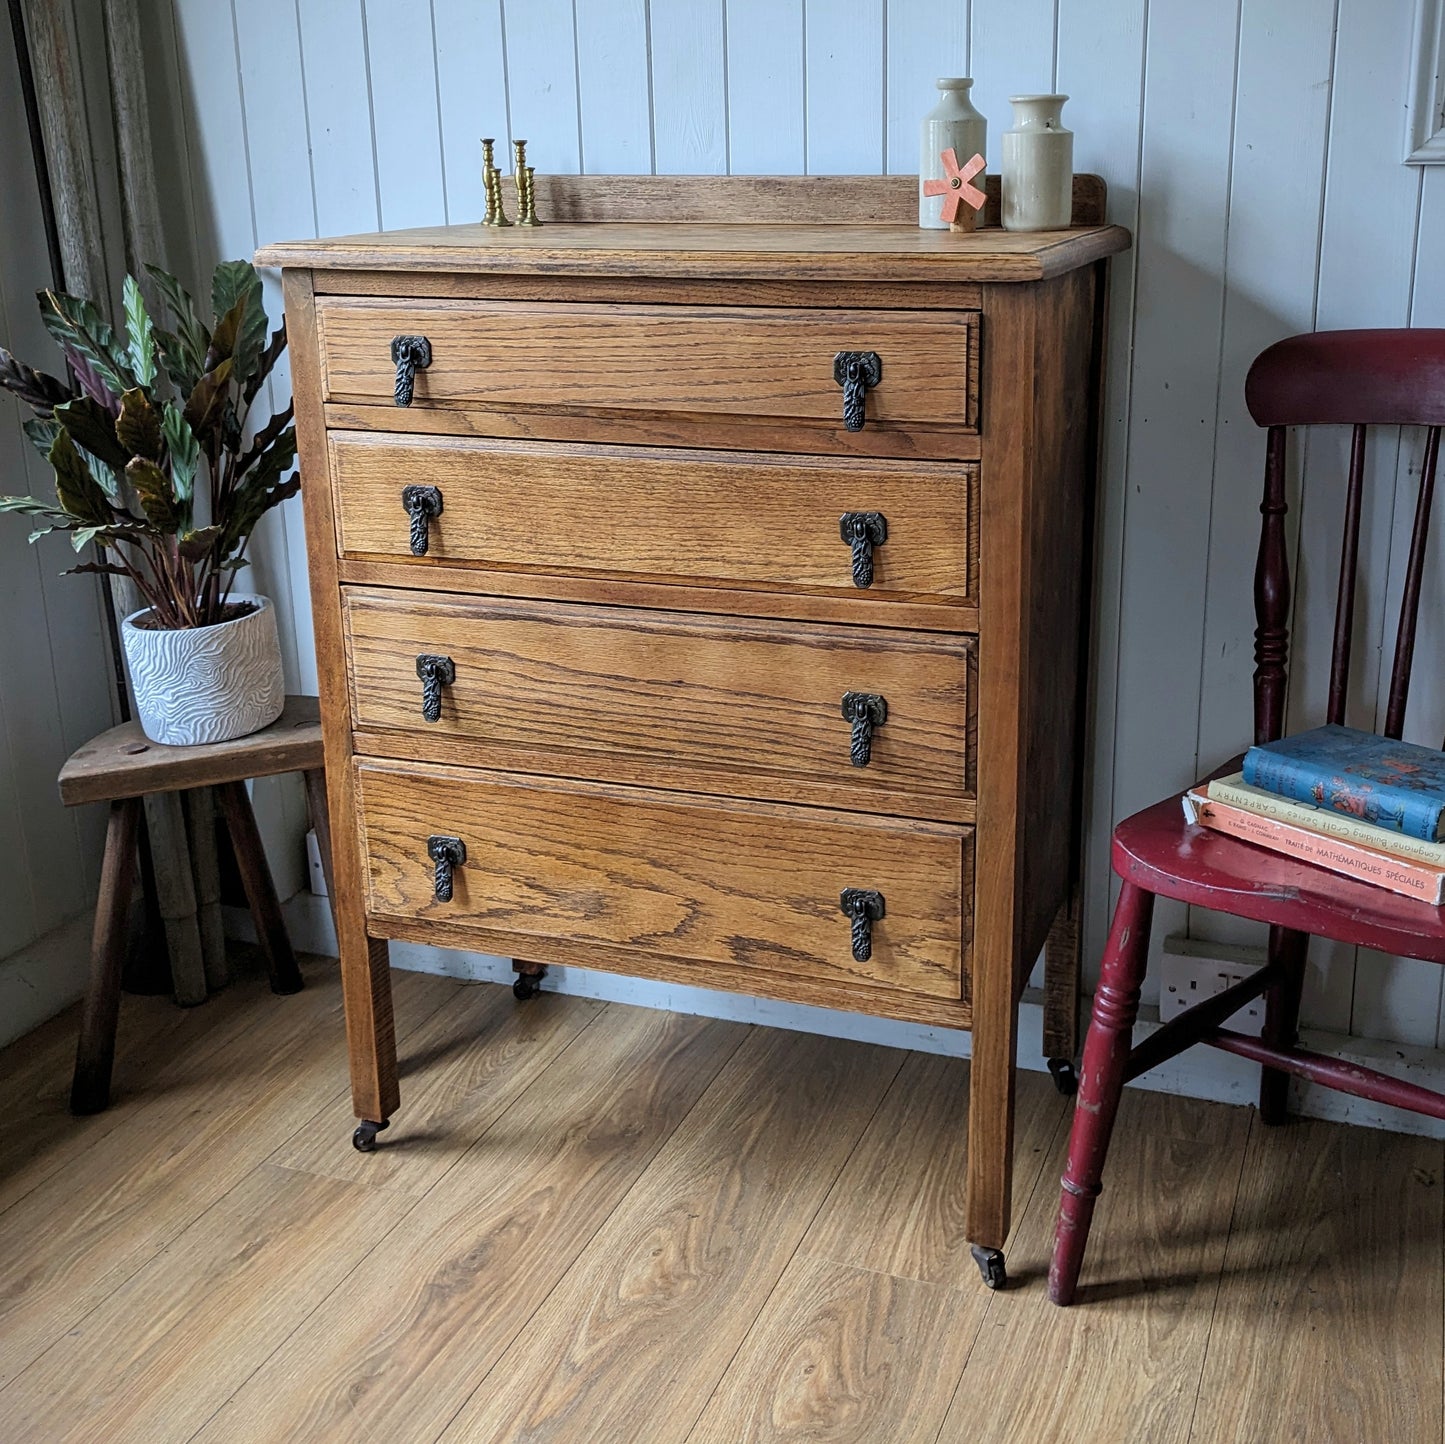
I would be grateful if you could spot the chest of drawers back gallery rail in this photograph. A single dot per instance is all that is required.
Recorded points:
(698, 595)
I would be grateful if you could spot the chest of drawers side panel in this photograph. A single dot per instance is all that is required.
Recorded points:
(365, 966)
(1054, 700)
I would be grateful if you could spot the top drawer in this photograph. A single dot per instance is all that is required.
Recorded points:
(710, 363)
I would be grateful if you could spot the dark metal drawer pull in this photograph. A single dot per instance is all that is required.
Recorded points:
(865, 907)
(863, 530)
(865, 710)
(422, 503)
(410, 354)
(855, 372)
(435, 673)
(448, 853)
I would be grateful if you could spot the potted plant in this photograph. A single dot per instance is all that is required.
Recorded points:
(155, 465)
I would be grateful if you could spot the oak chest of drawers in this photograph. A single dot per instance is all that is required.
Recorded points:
(701, 601)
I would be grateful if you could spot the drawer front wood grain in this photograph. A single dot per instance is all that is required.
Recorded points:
(752, 707)
(689, 878)
(685, 517)
(674, 360)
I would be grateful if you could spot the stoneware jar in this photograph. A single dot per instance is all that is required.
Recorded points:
(206, 684)
(1036, 168)
(952, 123)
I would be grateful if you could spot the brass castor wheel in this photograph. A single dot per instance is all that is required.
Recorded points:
(990, 1265)
(527, 985)
(364, 1139)
(1065, 1079)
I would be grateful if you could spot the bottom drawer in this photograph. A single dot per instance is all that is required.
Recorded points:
(669, 874)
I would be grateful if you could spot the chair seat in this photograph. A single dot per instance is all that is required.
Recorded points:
(1164, 854)
(124, 762)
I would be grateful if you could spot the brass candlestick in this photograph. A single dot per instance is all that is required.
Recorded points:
(527, 213)
(492, 186)
(522, 177)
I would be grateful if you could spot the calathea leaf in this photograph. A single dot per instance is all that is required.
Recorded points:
(108, 569)
(186, 349)
(41, 434)
(269, 357)
(77, 324)
(40, 392)
(278, 456)
(236, 284)
(89, 380)
(153, 487)
(185, 451)
(90, 425)
(252, 502)
(264, 439)
(206, 405)
(82, 536)
(104, 475)
(33, 506)
(76, 489)
(194, 545)
(140, 335)
(183, 369)
(139, 426)
(223, 338)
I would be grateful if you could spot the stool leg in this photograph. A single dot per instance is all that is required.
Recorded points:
(260, 890)
(1101, 1082)
(320, 810)
(95, 1053)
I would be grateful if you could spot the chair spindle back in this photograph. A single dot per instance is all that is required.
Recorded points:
(1359, 379)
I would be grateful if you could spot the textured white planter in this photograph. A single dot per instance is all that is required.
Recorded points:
(206, 684)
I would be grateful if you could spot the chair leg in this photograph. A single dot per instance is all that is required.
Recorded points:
(95, 1053)
(1281, 1018)
(260, 890)
(1101, 1082)
(1063, 955)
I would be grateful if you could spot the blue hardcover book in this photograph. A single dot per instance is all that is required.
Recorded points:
(1395, 785)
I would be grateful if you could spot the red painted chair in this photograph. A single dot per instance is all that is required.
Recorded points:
(1360, 378)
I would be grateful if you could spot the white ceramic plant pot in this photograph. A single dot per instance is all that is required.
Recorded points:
(206, 684)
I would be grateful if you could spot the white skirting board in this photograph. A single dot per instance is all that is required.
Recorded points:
(1199, 1073)
(44, 977)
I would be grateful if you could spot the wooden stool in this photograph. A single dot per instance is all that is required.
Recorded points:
(121, 767)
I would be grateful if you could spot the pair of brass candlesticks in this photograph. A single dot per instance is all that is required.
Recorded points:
(492, 184)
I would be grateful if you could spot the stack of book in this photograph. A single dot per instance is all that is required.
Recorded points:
(1360, 805)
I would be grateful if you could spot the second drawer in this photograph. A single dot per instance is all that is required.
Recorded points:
(849, 716)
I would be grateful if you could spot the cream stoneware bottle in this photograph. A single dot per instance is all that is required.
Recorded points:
(1036, 168)
(952, 123)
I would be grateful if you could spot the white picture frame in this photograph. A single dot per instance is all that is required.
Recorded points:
(1425, 126)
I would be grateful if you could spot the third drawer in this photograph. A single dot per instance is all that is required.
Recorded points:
(853, 717)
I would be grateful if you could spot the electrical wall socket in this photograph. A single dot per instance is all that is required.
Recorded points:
(1190, 971)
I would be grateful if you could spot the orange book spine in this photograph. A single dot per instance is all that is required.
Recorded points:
(1412, 879)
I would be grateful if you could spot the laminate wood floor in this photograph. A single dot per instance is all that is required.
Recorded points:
(594, 1223)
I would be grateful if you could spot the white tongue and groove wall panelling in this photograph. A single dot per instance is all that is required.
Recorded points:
(1253, 146)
